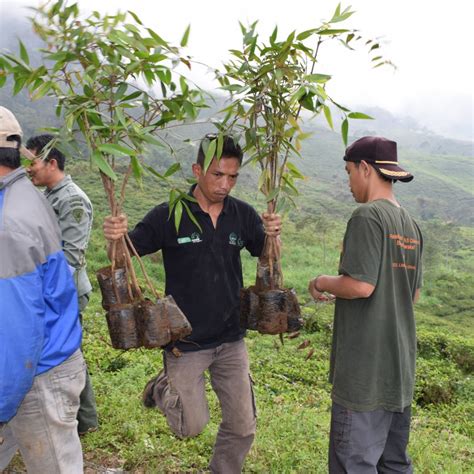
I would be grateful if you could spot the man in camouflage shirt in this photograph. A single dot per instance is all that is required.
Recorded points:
(74, 212)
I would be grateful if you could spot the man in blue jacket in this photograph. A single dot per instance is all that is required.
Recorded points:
(42, 371)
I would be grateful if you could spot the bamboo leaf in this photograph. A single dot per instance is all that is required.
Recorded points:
(273, 37)
(329, 31)
(116, 150)
(306, 34)
(103, 165)
(272, 195)
(155, 173)
(24, 54)
(210, 153)
(220, 145)
(158, 39)
(178, 213)
(320, 78)
(172, 170)
(42, 90)
(135, 17)
(190, 214)
(359, 115)
(136, 168)
(345, 131)
(328, 115)
(184, 39)
(122, 88)
(294, 170)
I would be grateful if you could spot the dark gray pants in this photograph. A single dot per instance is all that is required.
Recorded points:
(369, 442)
(180, 393)
(87, 414)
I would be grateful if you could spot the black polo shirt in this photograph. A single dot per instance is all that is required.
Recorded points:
(203, 269)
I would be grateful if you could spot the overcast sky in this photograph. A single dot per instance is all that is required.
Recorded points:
(430, 41)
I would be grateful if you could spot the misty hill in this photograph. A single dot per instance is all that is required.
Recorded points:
(443, 167)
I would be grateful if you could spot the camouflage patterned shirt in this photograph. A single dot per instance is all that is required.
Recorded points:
(74, 212)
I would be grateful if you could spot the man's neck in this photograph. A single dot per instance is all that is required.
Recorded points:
(4, 170)
(382, 190)
(57, 178)
(206, 205)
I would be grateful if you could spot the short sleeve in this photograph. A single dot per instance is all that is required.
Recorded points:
(419, 277)
(148, 235)
(75, 221)
(362, 249)
(255, 233)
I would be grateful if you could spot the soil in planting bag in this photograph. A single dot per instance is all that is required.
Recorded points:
(178, 323)
(248, 308)
(122, 327)
(295, 321)
(273, 314)
(153, 325)
(106, 284)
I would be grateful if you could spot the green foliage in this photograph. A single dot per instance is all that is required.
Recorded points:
(271, 83)
(457, 349)
(101, 71)
(292, 392)
(436, 382)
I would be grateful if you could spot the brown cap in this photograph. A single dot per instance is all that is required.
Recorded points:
(381, 153)
(9, 126)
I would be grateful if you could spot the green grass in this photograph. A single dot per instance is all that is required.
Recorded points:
(293, 395)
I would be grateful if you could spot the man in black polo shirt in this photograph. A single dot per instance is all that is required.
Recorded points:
(204, 275)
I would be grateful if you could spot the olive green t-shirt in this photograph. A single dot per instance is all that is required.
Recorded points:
(374, 340)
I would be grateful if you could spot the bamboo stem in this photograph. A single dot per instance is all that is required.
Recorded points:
(142, 266)
(134, 282)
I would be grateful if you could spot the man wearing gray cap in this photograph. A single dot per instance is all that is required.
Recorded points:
(42, 371)
(373, 353)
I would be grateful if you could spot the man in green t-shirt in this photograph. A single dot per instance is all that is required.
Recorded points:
(373, 353)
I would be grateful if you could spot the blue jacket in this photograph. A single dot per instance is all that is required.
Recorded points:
(39, 324)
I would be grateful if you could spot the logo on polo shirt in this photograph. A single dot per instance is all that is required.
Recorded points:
(234, 239)
(195, 238)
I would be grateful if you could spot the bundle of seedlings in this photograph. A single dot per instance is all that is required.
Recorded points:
(271, 83)
(102, 72)
(134, 320)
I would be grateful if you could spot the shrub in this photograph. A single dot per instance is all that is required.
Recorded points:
(436, 382)
(455, 348)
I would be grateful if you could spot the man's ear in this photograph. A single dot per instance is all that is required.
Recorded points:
(53, 164)
(366, 168)
(197, 170)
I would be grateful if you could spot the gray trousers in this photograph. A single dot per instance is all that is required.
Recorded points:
(180, 393)
(45, 427)
(369, 442)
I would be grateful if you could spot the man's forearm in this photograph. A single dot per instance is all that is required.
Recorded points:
(344, 286)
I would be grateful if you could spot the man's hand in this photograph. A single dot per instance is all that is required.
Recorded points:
(115, 227)
(313, 289)
(272, 224)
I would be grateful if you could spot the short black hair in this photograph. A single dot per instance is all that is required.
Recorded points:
(230, 148)
(39, 142)
(10, 157)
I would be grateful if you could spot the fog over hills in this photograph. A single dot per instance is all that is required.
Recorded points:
(443, 165)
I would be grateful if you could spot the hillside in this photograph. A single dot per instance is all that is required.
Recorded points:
(291, 389)
(291, 386)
